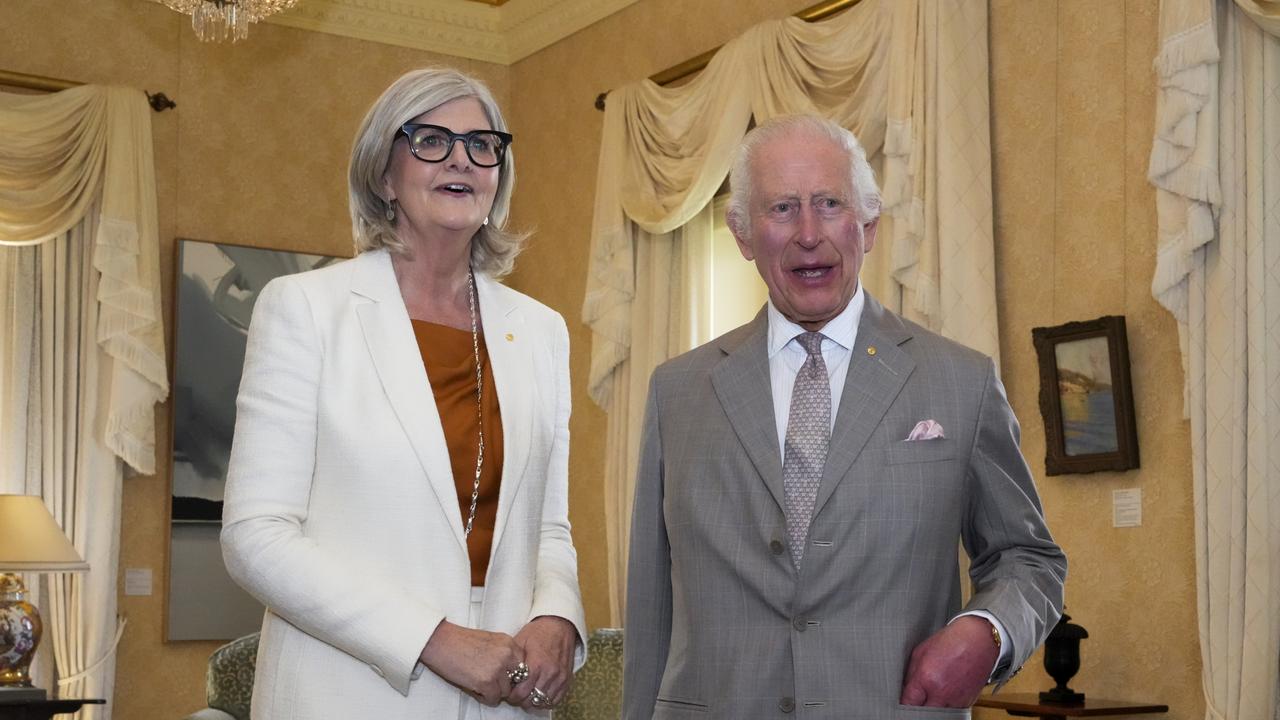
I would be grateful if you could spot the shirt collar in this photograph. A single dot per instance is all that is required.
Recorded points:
(841, 329)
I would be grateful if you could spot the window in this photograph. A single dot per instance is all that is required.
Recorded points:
(731, 286)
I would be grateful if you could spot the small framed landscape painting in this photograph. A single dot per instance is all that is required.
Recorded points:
(1086, 397)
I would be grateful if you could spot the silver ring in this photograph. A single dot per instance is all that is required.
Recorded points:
(519, 675)
(539, 698)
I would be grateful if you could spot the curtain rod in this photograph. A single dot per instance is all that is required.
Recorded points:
(821, 11)
(158, 102)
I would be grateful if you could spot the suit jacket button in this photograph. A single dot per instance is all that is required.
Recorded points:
(787, 704)
(776, 547)
(799, 624)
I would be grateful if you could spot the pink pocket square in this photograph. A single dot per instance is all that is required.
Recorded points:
(926, 430)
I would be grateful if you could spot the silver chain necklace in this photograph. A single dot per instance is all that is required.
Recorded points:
(475, 348)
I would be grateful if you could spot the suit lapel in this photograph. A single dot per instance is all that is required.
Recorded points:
(741, 382)
(398, 362)
(511, 362)
(875, 378)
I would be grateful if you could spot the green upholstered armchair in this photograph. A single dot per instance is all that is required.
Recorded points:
(597, 688)
(596, 694)
(229, 680)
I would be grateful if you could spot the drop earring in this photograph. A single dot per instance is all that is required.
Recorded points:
(391, 211)
(486, 220)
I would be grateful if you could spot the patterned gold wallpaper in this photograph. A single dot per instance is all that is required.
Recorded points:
(256, 151)
(1073, 107)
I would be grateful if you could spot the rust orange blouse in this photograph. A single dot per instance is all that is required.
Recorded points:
(451, 369)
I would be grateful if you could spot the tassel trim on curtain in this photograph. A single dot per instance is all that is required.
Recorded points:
(1184, 69)
(902, 157)
(128, 331)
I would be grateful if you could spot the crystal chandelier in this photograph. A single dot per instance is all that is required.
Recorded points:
(219, 20)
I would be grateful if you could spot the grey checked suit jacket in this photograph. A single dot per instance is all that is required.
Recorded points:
(720, 624)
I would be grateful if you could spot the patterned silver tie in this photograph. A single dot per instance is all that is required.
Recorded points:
(805, 449)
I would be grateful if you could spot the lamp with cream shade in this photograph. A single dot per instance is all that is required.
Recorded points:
(30, 541)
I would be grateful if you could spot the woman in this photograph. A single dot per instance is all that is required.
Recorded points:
(397, 495)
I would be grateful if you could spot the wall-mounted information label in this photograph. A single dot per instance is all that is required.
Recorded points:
(137, 581)
(1126, 508)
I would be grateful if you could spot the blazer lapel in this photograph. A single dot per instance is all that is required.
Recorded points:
(511, 362)
(878, 370)
(741, 383)
(398, 363)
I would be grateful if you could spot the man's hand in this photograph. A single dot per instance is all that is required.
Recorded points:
(548, 643)
(951, 666)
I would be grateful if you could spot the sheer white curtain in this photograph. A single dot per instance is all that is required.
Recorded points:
(83, 363)
(1217, 156)
(909, 77)
(663, 325)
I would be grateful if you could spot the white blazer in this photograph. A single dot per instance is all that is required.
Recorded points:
(341, 513)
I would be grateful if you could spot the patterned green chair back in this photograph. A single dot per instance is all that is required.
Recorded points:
(597, 688)
(596, 694)
(229, 682)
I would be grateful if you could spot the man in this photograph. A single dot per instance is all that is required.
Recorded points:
(806, 480)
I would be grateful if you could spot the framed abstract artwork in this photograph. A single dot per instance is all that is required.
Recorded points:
(216, 286)
(1086, 397)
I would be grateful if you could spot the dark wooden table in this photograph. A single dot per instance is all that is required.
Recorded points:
(1029, 705)
(43, 709)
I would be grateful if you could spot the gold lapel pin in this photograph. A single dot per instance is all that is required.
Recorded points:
(871, 350)
(510, 337)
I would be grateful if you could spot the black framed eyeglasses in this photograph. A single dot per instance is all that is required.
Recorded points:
(432, 143)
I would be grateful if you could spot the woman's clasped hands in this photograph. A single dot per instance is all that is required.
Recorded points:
(533, 670)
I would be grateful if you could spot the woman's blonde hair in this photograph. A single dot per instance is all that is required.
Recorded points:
(493, 248)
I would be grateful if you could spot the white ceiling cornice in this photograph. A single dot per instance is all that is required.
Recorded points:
(472, 30)
(530, 25)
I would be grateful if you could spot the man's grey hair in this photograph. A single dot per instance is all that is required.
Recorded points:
(866, 194)
(493, 248)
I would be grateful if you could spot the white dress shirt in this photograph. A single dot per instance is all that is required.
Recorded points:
(786, 357)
